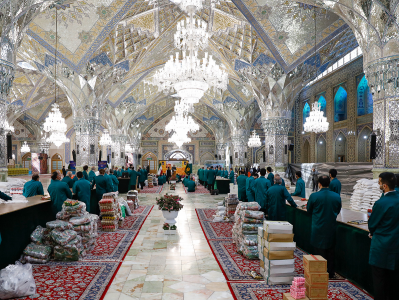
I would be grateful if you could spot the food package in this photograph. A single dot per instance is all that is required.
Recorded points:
(87, 227)
(254, 214)
(17, 281)
(320, 278)
(63, 237)
(271, 255)
(278, 237)
(38, 251)
(273, 280)
(250, 252)
(250, 206)
(81, 206)
(66, 254)
(250, 240)
(130, 203)
(34, 260)
(314, 264)
(37, 235)
(70, 202)
(252, 221)
(287, 296)
(273, 246)
(281, 227)
(316, 290)
(59, 225)
(127, 207)
(75, 221)
(287, 271)
(279, 264)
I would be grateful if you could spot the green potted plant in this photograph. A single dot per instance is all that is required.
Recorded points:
(169, 229)
(170, 206)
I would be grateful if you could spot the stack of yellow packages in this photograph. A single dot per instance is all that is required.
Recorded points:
(316, 277)
(276, 252)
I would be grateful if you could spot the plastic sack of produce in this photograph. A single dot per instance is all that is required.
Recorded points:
(71, 203)
(250, 252)
(250, 240)
(34, 260)
(81, 206)
(59, 225)
(252, 221)
(66, 254)
(38, 251)
(250, 227)
(254, 214)
(249, 206)
(85, 219)
(63, 237)
(85, 228)
(37, 235)
(17, 281)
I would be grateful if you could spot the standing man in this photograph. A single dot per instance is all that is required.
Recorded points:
(133, 178)
(198, 174)
(102, 186)
(384, 232)
(85, 175)
(270, 175)
(261, 185)
(211, 176)
(206, 177)
(324, 206)
(115, 181)
(231, 176)
(201, 176)
(33, 187)
(68, 180)
(241, 182)
(300, 186)
(168, 174)
(141, 177)
(106, 175)
(63, 171)
(81, 188)
(315, 180)
(275, 201)
(59, 191)
(92, 174)
(335, 185)
(249, 187)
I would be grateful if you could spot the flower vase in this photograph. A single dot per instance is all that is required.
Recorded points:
(170, 216)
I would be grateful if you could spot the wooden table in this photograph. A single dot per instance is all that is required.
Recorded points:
(17, 222)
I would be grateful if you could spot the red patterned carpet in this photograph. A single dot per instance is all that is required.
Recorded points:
(154, 190)
(90, 277)
(200, 190)
(235, 267)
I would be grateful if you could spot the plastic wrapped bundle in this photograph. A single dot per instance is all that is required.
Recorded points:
(254, 214)
(37, 235)
(252, 221)
(250, 252)
(63, 237)
(34, 260)
(250, 240)
(38, 251)
(59, 225)
(251, 227)
(75, 221)
(17, 281)
(249, 206)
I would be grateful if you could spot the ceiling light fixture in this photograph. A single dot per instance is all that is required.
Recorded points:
(105, 139)
(254, 140)
(25, 148)
(316, 122)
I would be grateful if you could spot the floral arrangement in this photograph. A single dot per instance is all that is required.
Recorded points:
(173, 186)
(169, 202)
(166, 226)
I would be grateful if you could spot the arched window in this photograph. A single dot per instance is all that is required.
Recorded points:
(305, 112)
(364, 97)
(340, 104)
(323, 105)
(321, 150)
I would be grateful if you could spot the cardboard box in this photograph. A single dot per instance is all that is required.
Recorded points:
(278, 237)
(280, 246)
(314, 264)
(260, 231)
(270, 255)
(272, 280)
(262, 264)
(287, 296)
(277, 227)
(318, 291)
(279, 263)
(285, 271)
(312, 278)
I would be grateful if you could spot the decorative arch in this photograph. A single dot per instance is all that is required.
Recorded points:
(340, 100)
(259, 154)
(364, 96)
(305, 112)
(306, 152)
(323, 105)
(363, 145)
(206, 156)
(150, 159)
(56, 163)
(321, 149)
(180, 154)
(340, 148)
(27, 161)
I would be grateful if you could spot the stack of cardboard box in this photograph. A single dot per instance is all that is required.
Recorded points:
(276, 252)
(316, 277)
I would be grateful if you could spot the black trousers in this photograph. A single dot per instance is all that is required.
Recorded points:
(384, 283)
(329, 255)
(315, 186)
(142, 185)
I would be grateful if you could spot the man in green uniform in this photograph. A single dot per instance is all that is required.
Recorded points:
(115, 181)
(141, 177)
(59, 191)
(261, 185)
(275, 201)
(231, 176)
(33, 187)
(81, 188)
(102, 186)
(133, 178)
(384, 232)
(206, 177)
(201, 175)
(300, 186)
(85, 175)
(335, 185)
(68, 180)
(74, 179)
(225, 173)
(270, 175)
(219, 172)
(211, 176)
(190, 186)
(249, 187)
(161, 180)
(242, 182)
(92, 174)
(108, 177)
(324, 206)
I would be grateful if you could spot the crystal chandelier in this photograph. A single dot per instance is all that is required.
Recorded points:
(183, 107)
(254, 140)
(128, 148)
(191, 34)
(316, 122)
(189, 6)
(182, 123)
(179, 138)
(25, 148)
(55, 121)
(105, 139)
